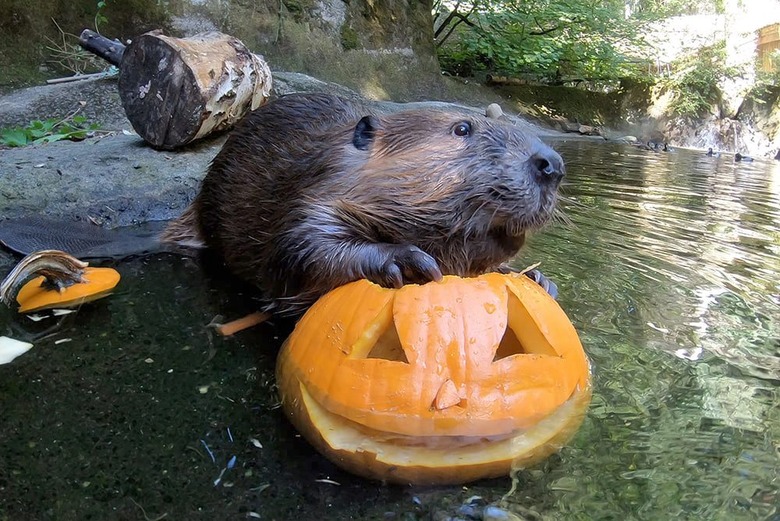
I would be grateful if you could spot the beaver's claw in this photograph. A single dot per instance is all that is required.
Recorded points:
(535, 275)
(408, 265)
(546, 284)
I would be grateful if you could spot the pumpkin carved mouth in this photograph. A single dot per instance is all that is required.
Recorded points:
(466, 366)
(435, 460)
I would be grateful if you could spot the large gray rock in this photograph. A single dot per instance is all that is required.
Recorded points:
(115, 180)
(96, 99)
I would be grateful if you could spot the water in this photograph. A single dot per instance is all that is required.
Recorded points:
(670, 271)
(668, 267)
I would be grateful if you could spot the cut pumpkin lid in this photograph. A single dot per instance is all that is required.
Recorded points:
(96, 283)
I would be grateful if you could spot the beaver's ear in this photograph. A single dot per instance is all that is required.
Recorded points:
(364, 132)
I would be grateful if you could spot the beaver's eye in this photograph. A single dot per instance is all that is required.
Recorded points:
(462, 129)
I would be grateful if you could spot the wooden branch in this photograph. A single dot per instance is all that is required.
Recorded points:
(507, 80)
(78, 77)
(444, 24)
(240, 324)
(542, 32)
(109, 50)
(461, 19)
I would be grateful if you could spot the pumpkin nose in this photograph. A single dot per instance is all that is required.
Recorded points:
(447, 396)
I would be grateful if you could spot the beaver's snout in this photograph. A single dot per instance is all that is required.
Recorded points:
(547, 166)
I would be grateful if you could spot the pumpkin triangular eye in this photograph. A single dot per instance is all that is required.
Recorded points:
(379, 339)
(522, 335)
(509, 345)
(388, 347)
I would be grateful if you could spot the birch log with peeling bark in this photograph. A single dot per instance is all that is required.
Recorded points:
(177, 90)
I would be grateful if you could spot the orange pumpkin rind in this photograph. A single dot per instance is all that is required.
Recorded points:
(98, 282)
(441, 383)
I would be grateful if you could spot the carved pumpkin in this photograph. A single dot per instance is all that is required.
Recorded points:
(447, 382)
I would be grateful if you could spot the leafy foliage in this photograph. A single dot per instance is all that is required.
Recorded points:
(553, 41)
(36, 132)
(664, 8)
(100, 16)
(694, 82)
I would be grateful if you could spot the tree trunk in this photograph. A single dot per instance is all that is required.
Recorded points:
(177, 90)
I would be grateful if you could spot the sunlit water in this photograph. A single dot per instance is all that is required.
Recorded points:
(667, 264)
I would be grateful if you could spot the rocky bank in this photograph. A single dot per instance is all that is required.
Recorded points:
(114, 178)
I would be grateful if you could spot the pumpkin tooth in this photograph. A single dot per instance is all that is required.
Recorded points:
(447, 396)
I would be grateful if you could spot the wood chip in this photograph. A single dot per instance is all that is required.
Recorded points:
(234, 326)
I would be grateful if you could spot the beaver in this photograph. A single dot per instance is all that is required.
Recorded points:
(312, 191)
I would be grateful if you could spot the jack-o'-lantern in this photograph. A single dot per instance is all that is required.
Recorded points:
(445, 382)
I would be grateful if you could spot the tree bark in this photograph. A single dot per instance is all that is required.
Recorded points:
(109, 50)
(177, 90)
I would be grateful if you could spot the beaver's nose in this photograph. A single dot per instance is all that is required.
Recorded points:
(548, 166)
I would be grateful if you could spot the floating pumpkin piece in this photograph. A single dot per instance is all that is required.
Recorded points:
(446, 382)
(62, 281)
(97, 283)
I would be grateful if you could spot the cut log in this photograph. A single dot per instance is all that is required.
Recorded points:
(505, 80)
(177, 90)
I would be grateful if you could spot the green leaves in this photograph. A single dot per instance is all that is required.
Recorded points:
(14, 137)
(100, 18)
(36, 132)
(547, 40)
(694, 83)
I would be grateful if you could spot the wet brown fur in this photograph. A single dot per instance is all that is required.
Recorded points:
(302, 199)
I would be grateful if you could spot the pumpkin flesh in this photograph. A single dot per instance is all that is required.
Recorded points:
(435, 460)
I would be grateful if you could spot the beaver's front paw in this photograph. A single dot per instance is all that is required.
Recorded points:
(546, 284)
(408, 265)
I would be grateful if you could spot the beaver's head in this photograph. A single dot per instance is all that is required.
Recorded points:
(478, 173)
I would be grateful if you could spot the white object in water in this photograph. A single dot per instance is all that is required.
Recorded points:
(10, 349)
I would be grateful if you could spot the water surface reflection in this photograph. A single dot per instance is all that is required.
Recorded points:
(669, 269)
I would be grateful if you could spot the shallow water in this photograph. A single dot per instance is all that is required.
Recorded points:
(667, 264)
